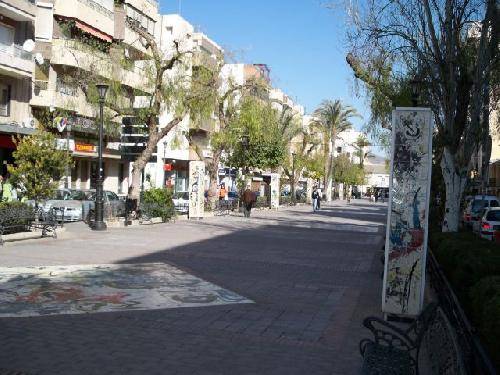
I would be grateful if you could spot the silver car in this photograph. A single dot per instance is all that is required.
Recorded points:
(69, 204)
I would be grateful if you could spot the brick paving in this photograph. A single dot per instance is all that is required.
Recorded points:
(313, 278)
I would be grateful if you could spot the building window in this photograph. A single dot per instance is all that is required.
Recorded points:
(4, 100)
(339, 150)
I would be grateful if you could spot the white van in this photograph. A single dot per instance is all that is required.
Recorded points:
(476, 208)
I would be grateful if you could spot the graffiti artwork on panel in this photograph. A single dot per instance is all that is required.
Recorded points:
(275, 190)
(406, 241)
(196, 189)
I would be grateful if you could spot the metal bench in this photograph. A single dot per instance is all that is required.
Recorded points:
(25, 219)
(394, 351)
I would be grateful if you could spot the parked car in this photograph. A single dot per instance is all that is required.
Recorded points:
(69, 203)
(113, 205)
(476, 207)
(490, 222)
(181, 202)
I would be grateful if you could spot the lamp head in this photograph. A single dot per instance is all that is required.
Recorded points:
(102, 89)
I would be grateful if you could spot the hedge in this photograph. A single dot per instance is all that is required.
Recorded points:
(472, 265)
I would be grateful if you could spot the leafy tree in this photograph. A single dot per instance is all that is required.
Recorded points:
(448, 47)
(346, 172)
(259, 124)
(332, 118)
(170, 83)
(39, 165)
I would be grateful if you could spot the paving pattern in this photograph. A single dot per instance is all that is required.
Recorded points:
(312, 277)
(90, 289)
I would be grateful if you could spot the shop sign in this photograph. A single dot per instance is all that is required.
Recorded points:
(168, 167)
(84, 147)
(407, 224)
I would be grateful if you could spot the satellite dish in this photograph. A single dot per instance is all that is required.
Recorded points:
(39, 58)
(29, 45)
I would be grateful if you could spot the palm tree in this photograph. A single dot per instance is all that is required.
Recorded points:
(360, 149)
(332, 118)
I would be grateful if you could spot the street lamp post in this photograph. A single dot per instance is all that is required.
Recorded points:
(293, 178)
(99, 223)
(68, 170)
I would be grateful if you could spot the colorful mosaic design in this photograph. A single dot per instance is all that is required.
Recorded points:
(406, 244)
(53, 290)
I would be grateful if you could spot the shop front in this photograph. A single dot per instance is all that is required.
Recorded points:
(176, 174)
(7, 145)
(85, 170)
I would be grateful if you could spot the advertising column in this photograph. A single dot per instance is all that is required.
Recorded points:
(406, 240)
(275, 190)
(196, 189)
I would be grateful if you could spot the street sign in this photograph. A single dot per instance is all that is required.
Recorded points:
(407, 223)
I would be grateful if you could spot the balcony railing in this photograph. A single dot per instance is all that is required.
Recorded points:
(97, 7)
(65, 89)
(16, 51)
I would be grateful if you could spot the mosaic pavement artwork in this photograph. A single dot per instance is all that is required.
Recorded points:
(82, 289)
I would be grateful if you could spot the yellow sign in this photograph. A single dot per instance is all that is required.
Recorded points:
(84, 147)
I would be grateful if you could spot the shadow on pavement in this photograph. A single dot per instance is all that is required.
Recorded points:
(311, 287)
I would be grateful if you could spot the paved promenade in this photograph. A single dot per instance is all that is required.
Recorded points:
(309, 280)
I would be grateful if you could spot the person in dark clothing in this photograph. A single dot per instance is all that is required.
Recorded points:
(315, 199)
(248, 201)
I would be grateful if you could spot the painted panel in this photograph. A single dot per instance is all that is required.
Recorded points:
(406, 241)
(275, 190)
(196, 189)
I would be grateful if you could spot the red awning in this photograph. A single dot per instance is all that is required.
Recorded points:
(88, 29)
(6, 142)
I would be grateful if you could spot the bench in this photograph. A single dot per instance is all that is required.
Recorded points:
(25, 218)
(393, 350)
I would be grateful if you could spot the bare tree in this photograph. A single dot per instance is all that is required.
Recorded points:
(451, 47)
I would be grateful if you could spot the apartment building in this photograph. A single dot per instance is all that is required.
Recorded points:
(494, 169)
(17, 29)
(82, 42)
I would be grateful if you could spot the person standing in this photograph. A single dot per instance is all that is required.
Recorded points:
(222, 192)
(248, 201)
(1, 186)
(314, 197)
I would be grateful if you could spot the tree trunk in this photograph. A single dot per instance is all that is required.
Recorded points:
(137, 168)
(454, 179)
(213, 173)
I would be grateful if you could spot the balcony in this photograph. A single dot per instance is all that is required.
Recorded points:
(206, 125)
(19, 10)
(90, 12)
(81, 56)
(14, 61)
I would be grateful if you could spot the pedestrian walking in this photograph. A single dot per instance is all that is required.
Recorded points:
(248, 201)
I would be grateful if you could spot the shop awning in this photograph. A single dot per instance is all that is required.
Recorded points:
(88, 29)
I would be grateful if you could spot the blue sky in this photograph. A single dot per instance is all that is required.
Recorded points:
(300, 40)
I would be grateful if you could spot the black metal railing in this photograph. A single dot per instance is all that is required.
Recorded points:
(473, 354)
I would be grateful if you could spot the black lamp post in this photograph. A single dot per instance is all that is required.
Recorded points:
(99, 223)
(292, 188)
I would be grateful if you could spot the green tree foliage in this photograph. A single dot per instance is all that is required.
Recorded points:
(259, 124)
(39, 165)
(346, 172)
